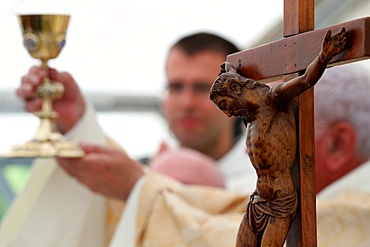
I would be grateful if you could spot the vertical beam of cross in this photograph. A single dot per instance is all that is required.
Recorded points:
(298, 18)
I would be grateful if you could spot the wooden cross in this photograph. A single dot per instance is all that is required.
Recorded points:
(288, 58)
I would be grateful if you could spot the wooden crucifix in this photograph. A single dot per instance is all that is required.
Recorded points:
(289, 58)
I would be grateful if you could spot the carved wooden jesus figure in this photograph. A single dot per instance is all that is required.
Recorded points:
(271, 141)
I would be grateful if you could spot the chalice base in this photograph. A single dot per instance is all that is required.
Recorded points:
(46, 148)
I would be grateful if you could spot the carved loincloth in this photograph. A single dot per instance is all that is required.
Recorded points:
(259, 210)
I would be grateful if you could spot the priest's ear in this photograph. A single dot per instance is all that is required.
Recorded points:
(342, 147)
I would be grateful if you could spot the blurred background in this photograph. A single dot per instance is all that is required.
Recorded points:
(116, 51)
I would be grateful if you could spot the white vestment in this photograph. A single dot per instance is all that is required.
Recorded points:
(237, 169)
(55, 210)
(343, 216)
(343, 210)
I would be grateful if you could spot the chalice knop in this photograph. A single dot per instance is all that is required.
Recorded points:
(44, 37)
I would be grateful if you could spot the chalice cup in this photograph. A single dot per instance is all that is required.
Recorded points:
(44, 37)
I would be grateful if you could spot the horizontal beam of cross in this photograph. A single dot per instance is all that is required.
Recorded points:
(294, 54)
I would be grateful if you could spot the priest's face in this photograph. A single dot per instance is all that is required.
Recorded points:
(192, 116)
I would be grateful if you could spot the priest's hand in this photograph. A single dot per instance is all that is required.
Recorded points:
(70, 106)
(107, 171)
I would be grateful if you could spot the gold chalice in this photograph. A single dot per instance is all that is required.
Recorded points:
(44, 37)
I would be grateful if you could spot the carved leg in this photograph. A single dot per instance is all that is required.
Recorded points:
(276, 231)
(246, 236)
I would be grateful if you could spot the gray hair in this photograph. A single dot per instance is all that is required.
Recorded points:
(343, 94)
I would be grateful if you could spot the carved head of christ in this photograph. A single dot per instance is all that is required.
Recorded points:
(236, 95)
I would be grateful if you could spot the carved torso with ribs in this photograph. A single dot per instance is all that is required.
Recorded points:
(271, 143)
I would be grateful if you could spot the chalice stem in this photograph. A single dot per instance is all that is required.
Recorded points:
(47, 91)
(46, 127)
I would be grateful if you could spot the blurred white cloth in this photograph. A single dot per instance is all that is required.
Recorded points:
(170, 214)
(54, 209)
(237, 169)
(344, 210)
